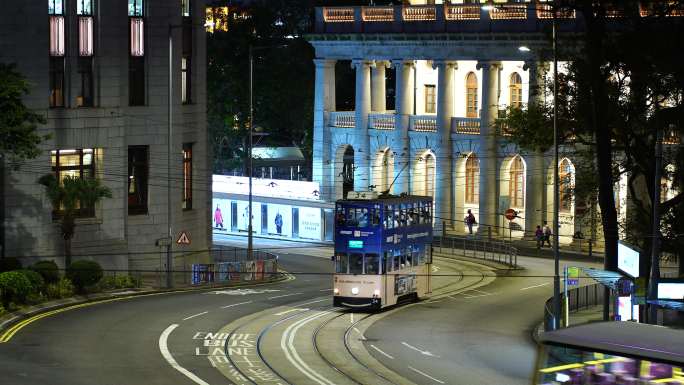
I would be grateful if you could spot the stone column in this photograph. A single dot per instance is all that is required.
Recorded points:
(324, 102)
(404, 108)
(489, 164)
(444, 191)
(536, 173)
(378, 95)
(362, 109)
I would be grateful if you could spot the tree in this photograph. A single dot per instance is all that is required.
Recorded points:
(621, 87)
(68, 198)
(18, 137)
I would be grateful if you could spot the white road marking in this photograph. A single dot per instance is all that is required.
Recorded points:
(308, 303)
(242, 291)
(423, 352)
(425, 374)
(235, 304)
(325, 290)
(287, 345)
(532, 287)
(196, 315)
(164, 349)
(381, 352)
(363, 338)
(291, 311)
(435, 268)
(284, 295)
(351, 317)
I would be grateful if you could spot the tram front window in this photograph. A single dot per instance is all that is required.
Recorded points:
(372, 264)
(355, 263)
(341, 263)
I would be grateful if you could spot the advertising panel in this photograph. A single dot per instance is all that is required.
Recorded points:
(243, 216)
(627, 311)
(202, 273)
(404, 284)
(628, 260)
(310, 223)
(671, 290)
(262, 187)
(259, 270)
(220, 214)
(250, 267)
(280, 220)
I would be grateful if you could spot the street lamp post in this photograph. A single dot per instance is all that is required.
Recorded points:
(250, 246)
(169, 258)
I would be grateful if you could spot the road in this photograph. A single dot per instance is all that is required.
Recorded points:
(474, 330)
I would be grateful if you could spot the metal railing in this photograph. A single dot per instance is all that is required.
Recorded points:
(483, 248)
(579, 298)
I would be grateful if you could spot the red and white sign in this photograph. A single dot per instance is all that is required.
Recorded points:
(183, 239)
(510, 214)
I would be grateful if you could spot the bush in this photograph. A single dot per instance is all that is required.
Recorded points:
(14, 287)
(48, 270)
(9, 264)
(118, 282)
(37, 282)
(62, 289)
(84, 273)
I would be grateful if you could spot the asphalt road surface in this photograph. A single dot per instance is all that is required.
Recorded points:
(475, 330)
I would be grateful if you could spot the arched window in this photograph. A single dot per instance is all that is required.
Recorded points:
(515, 90)
(516, 182)
(471, 95)
(565, 187)
(472, 179)
(429, 175)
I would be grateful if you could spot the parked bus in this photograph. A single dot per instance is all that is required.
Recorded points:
(382, 250)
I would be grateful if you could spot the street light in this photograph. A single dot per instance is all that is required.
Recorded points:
(556, 192)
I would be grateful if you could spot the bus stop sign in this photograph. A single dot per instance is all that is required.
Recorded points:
(510, 214)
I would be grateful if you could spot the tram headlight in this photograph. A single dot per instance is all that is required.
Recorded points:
(376, 292)
(336, 291)
(355, 290)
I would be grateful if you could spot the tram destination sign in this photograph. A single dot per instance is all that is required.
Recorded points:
(355, 244)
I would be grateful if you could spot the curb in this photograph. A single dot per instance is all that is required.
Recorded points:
(18, 316)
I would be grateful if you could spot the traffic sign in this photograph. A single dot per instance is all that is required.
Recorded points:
(573, 275)
(510, 214)
(183, 238)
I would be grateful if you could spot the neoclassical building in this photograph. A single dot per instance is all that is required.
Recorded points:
(453, 69)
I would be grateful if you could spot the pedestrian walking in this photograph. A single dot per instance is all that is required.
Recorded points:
(547, 234)
(539, 236)
(470, 221)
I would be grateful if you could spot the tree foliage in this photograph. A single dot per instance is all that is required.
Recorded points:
(68, 198)
(283, 80)
(18, 137)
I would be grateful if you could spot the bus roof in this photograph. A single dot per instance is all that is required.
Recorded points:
(390, 199)
(629, 339)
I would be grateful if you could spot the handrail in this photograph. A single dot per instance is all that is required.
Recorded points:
(579, 298)
(499, 251)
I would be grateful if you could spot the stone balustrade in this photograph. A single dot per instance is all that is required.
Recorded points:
(381, 121)
(423, 123)
(469, 126)
(343, 119)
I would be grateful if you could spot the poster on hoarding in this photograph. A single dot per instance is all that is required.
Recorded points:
(220, 214)
(259, 270)
(243, 216)
(310, 223)
(202, 273)
(279, 220)
(250, 267)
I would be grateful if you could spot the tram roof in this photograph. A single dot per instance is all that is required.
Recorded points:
(390, 199)
(629, 339)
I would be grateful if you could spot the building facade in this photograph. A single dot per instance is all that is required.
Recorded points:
(99, 73)
(455, 67)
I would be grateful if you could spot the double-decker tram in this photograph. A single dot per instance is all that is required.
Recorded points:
(383, 250)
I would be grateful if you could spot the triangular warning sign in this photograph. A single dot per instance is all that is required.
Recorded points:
(183, 239)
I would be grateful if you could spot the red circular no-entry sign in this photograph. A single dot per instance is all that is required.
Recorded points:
(510, 214)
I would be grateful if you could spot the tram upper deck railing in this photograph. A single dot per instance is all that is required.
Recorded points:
(531, 16)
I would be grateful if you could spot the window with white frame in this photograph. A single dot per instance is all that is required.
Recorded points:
(471, 95)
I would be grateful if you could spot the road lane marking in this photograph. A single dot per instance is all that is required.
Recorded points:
(164, 349)
(287, 345)
(425, 374)
(284, 295)
(236, 304)
(381, 352)
(291, 311)
(325, 290)
(308, 303)
(196, 315)
(423, 352)
(351, 317)
(363, 338)
(532, 287)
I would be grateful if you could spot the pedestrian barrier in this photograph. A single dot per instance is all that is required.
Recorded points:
(500, 251)
(579, 298)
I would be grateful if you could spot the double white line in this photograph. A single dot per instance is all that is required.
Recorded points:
(287, 344)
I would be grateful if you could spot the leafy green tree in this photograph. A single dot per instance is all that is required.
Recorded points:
(18, 137)
(67, 199)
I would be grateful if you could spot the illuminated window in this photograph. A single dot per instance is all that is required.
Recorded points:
(84, 7)
(137, 36)
(187, 176)
(138, 172)
(56, 35)
(472, 179)
(516, 182)
(75, 164)
(135, 7)
(85, 72)
(185, 7)
(515, 90)
(85, 36)
(185, 80)
(56, 82)
(565, 187)
(471, 95)
(55, 7)
(429, 98)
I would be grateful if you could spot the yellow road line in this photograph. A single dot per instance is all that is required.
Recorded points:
(562, 367)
